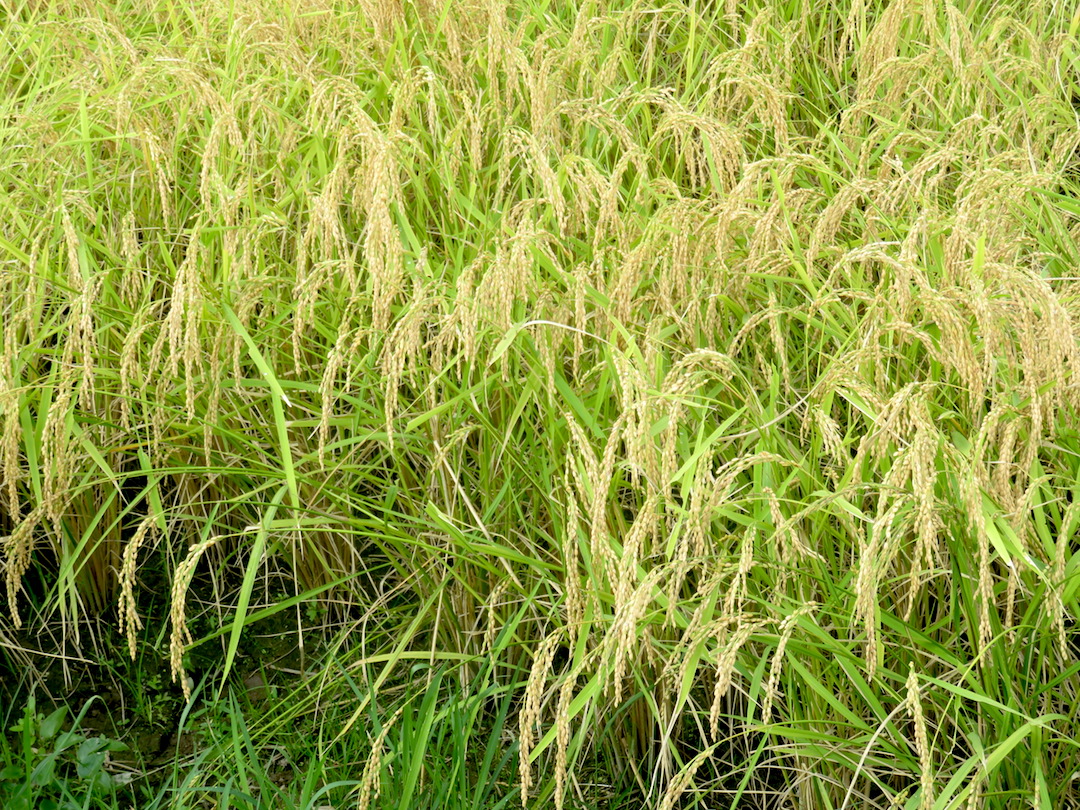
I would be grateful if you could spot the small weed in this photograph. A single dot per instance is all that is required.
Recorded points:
(48, 768)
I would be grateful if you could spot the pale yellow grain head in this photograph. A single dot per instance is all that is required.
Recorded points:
(180, 635)
(728, 654)
(530, 712)
(129, 619)
(57, 453)
(10, 442)
(562, 738)
(133, 280)
(370, 785)
(622, 642)
(71, 243)
(18, 550)
(786, 629)
(575, 607)
(379, 191)
(402, 347)
(646, 522)
(737, 592)
(495, 602)
(683, 779)
(1056, 607)
(883, 40)
(600, 482)
(85, 339)
(922, 744)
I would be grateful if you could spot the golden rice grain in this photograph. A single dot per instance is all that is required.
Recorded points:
(181, 634)
(562, 738)
(370, 782)
(129, 620)
(530, 712)
(787, 628)
(922, 743)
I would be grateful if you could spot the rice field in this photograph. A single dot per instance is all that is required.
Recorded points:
(585, 404)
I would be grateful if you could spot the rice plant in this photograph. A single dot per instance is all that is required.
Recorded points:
(671, 404)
